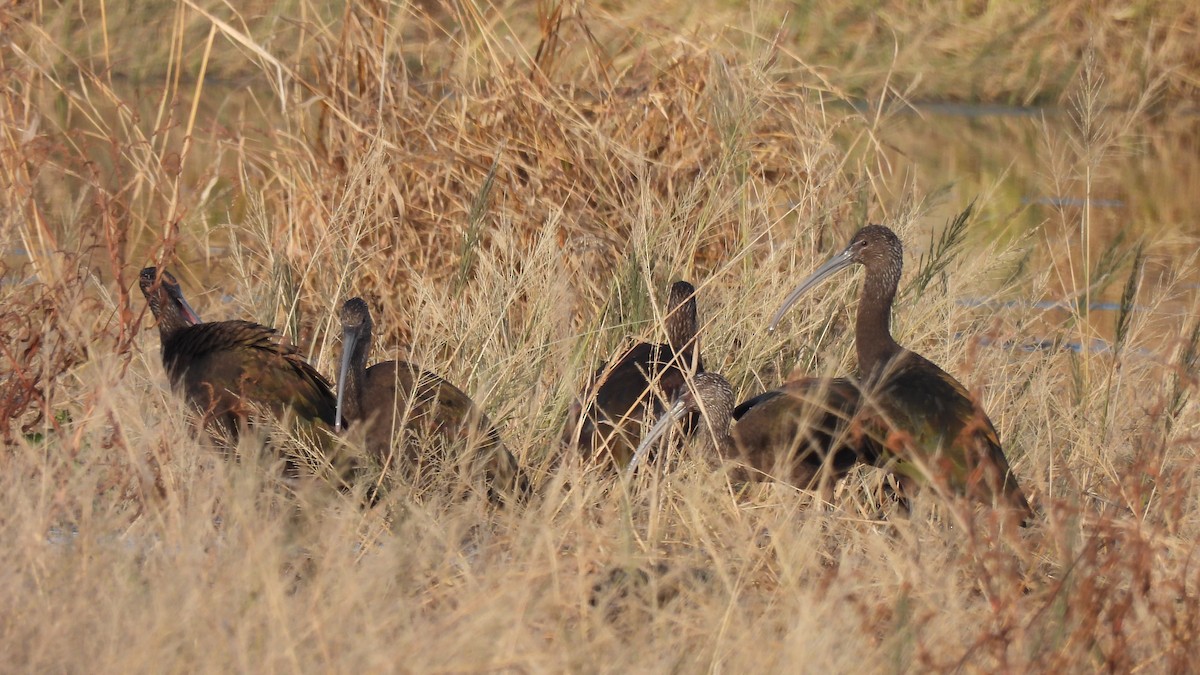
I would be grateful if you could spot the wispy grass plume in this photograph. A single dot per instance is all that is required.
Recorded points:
(941, 252)
(511, 188)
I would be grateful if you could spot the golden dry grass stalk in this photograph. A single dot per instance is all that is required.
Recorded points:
(512, 189)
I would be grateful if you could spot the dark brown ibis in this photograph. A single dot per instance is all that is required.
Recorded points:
(405, 407)
(800, 433)
(622, 395)
(228, 368)
(927, 422)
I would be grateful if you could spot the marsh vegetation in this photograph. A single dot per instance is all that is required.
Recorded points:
(511, 188)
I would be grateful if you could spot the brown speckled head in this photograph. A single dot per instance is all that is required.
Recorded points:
(708, 394)
(356, 317)
(875, 247)
(711, 395)
(879, 249)
(166, 301)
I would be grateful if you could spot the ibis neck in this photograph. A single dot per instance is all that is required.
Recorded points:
(352, 404)
(872, 333)
(170, 322)
(714, 429)
(681, 332)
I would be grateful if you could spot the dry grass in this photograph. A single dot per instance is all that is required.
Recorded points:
(512, 191)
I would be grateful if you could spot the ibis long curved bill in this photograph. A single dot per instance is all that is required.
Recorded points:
(835, 264)
(166, 281)
(349, 338)
(188, 313)
(675, 413)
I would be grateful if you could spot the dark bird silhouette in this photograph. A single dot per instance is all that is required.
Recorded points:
(405, 407)
(226, 369)
(622, 394)
(801, 433)
(925, 420)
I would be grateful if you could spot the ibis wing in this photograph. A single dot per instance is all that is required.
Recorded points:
(749, 404)
(624, 392)
(937, 419)
(218, 362)
(422, 400)
(807, 424)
